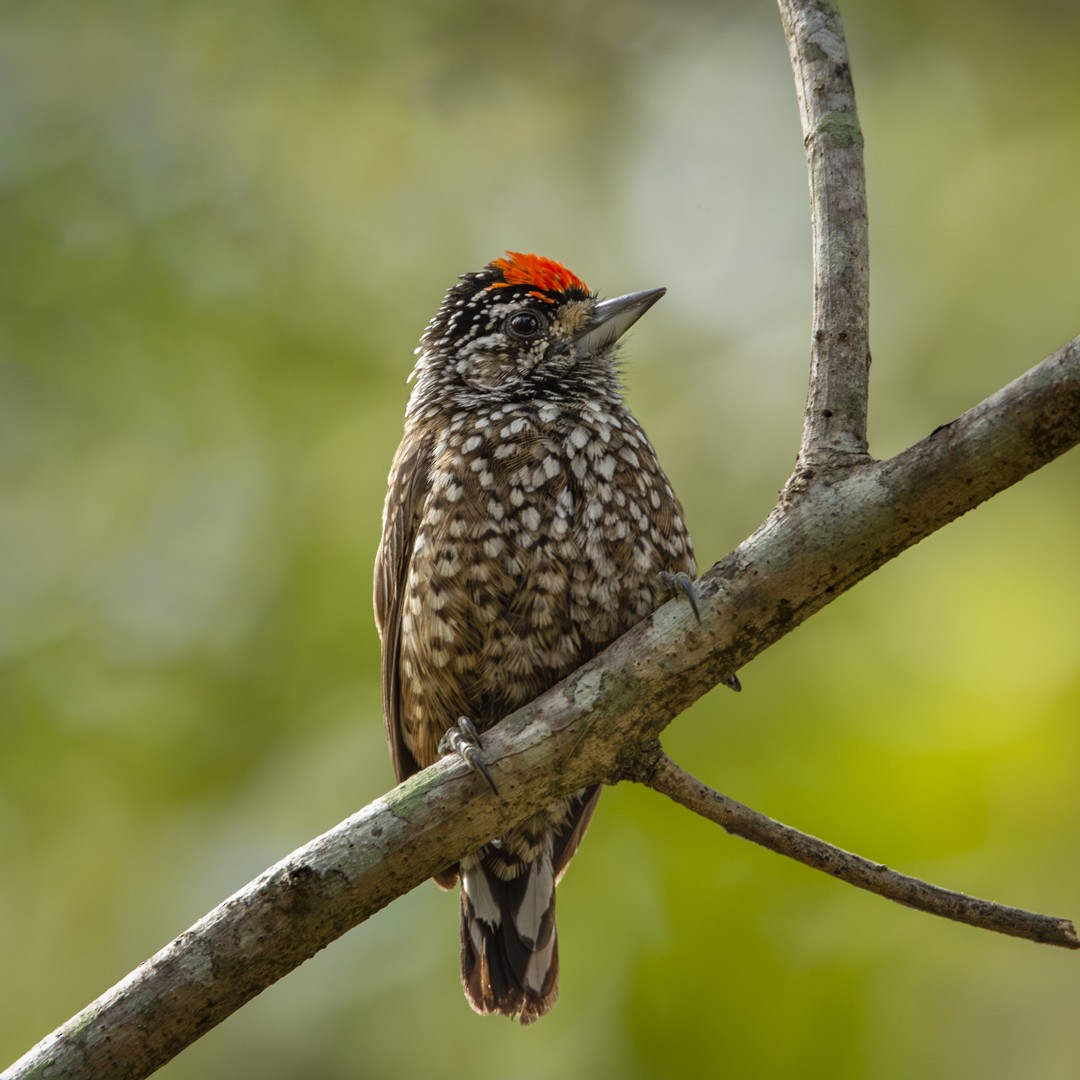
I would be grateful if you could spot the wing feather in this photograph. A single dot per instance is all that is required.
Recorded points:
(407, 492)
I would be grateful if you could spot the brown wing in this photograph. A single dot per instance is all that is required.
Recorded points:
(405, 498)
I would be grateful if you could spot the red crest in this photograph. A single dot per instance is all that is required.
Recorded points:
(543, 275)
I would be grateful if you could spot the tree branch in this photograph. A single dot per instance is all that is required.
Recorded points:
(834, 423)
(739, 820)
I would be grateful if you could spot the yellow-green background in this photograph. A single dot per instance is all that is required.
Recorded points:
(223, 227)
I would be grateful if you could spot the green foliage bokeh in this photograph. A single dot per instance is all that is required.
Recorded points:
(223, 229)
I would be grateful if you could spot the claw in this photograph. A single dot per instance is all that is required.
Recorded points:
(464, 740)
(682, 584)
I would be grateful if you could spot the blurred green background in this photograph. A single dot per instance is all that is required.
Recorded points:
(224, 226)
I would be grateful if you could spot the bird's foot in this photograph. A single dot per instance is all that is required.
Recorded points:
(464, 740)
(681, 584)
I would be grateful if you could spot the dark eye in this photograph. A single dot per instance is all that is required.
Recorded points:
(524, 324)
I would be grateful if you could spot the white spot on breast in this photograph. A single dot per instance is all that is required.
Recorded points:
(479, 572)
(550, 581)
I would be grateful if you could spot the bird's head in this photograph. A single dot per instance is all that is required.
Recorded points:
(523, 327)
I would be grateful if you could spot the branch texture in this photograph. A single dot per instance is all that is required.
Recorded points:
(673, 781)
(834, 424)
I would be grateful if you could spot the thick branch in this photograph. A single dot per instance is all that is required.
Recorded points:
(591, 727)
(673, 781)
(834, 424)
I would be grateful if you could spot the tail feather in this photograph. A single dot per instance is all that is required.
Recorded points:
(509, 945)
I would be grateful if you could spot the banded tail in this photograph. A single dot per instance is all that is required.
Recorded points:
(509, 944)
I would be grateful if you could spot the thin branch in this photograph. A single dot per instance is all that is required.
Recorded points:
(834, 424)
(592, 727)
(739, 820)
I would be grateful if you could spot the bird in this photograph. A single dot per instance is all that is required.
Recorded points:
(527, 525)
